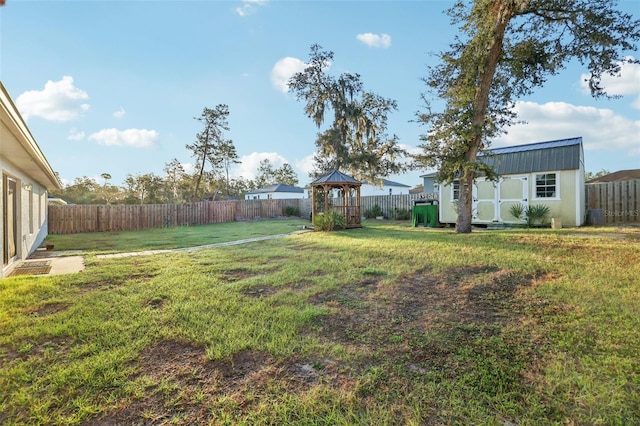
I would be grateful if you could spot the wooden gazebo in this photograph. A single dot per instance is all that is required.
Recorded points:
(337, 192)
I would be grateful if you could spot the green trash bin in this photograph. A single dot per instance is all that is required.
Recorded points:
(419, 215)
(431, 219)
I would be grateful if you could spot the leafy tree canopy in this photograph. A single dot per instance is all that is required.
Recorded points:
(356, 140)
(506, 49)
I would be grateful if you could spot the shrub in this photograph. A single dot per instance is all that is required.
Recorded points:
(373, 212)
(401, 214)
(329, 221)
(537, 214)
(517, 210)
(291, 211)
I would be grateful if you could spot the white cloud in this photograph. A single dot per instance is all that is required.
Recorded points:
(305, 165)
(139, 138)
(119, 113)
(188, 168)
(59, 101)
(600, 128)
(626, 84)
(249, 164)
(75, 135)
(249, 6)
(414, 150)
(375, 40)
(283, 70)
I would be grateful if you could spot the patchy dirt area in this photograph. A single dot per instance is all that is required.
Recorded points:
(414, 323)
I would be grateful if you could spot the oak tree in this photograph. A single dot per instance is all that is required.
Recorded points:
(506, 49)
(356, 140)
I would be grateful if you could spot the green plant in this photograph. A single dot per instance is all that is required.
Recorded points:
(329, 221)
(537, 214)
(517, 210)
(401, 214)
(291, 211)
(373, 212)
(377, 309)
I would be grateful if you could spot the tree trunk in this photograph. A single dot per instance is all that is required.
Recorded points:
(465, 203)
(503, 11)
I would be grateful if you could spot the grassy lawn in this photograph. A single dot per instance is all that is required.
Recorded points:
(170, 238)
(385, 325)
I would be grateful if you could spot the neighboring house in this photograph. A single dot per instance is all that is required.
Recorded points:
(429, 183)
(618, 176)
(57, 201)
(418, 189)
(549, 173)
(388, 188)
(276, 191)
(26, 178)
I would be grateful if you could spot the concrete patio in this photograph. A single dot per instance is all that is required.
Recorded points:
(45, 262)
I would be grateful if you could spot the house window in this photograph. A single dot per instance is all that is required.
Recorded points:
(546, 185)
(455, 190)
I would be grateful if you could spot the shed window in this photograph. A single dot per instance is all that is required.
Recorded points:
(546, 185)
(455, 190)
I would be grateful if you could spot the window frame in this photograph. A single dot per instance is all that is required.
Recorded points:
(545, 186)
(455, 190)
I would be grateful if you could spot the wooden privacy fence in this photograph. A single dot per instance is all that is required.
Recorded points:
(70, 219)
(619, 201)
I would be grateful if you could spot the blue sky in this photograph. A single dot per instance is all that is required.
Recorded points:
(114, 86)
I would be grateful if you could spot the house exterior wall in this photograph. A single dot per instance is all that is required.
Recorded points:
(429, 184)
(368, 189)
(31, 214)
(24, 170)
(493, 200)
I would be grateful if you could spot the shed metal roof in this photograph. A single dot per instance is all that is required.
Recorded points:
(563, 154)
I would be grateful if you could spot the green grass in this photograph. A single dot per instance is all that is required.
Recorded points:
(387, 324)
(169, 238)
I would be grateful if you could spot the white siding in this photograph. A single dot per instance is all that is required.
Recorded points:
(368, 189)
(31, 219)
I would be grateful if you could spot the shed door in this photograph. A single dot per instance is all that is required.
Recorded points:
(512, 190)
(485, 201)
(9, 219)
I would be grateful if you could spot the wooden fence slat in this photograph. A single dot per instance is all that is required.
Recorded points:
(619, 201)
(70, 219)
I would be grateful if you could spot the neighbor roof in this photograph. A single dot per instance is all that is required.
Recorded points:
(563, 154)
(277, 187)
(617, 176)
(386, 182)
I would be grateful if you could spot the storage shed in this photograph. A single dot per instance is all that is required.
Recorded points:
(548, 173)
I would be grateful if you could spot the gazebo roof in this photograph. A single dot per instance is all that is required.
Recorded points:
(336, 177)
